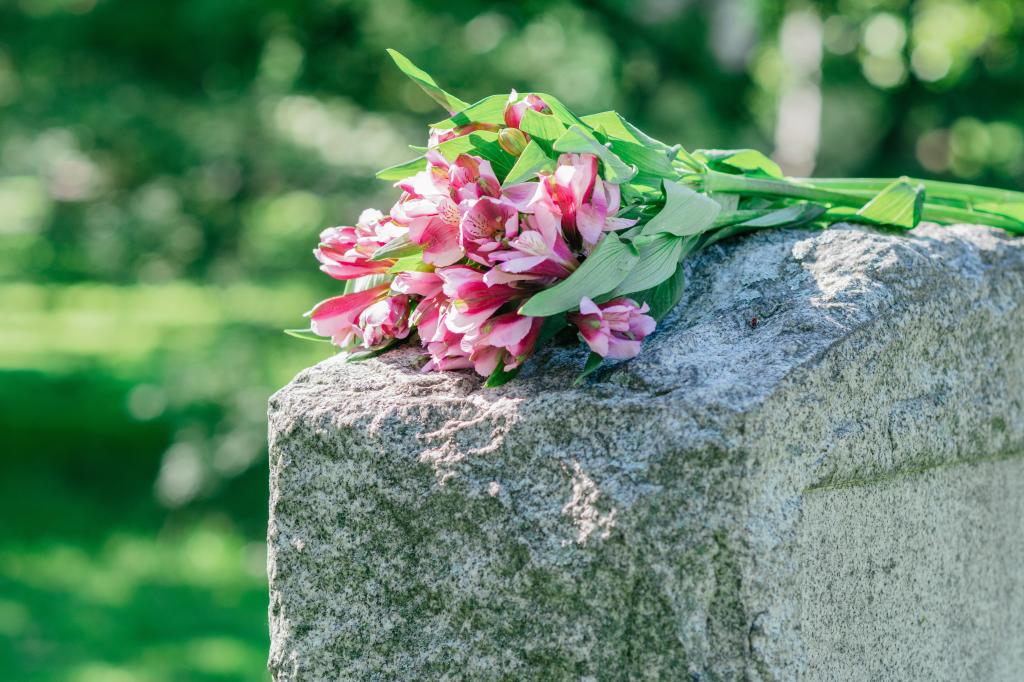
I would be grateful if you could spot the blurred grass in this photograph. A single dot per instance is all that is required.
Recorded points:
(165, 168)
(98, 580)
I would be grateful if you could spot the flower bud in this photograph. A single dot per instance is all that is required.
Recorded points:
(512, 140)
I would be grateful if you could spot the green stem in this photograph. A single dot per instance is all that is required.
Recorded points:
(939, 213)
(933, 188)
(849, 196)
(765, 187)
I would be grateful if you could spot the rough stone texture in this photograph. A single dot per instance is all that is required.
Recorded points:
(834, 493)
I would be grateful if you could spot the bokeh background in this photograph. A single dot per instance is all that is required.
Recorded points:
(166, 166)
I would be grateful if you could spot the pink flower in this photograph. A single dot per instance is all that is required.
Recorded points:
(472, 177)
(598, 215)
(613, 329)
(384, 320)
(364, 319)
(585, 203)
(446, 352)
(539, 252)
(486, 226)
(345, 252)
(338, 317)
(573, 182)
(433, 223)
(516, 107)
(506, 339)
(443, 346)
(430, 206)
(473, 301)
(413, 283)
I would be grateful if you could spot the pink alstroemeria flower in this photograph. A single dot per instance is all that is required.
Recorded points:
(430, 206)
(472, 177)
(516, 107)
(587, 203)
(345, 252)
(384, 320)
(539, 252)
(338, 317)
(487, 225)
(414, 283)
(443, 346)
(446, 352)
(473, 301)
(614, 329)
(433, 223)
(506, 339)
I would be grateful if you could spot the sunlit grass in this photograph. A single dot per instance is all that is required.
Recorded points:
(63, 326)
(99, 581)
(184, 605)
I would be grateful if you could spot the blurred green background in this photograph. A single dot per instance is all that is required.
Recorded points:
(165, 168)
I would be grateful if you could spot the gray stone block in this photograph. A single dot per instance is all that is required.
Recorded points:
(833, 493)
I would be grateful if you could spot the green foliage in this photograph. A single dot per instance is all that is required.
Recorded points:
(490, 109)
(543, 128)
(532, 161)
(401, 171)
(658, 258)
(579, 140)
(685, 213)
(664, 297)
(898, 205)
(749, 161)
(424, 80)
(605, 268)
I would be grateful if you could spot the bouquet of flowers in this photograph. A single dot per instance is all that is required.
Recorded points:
(521, 220)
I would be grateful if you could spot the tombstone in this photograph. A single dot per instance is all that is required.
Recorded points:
(813, 471)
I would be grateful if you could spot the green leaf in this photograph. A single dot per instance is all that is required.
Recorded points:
(659, 256)
(560, 111)
(788, 216)
(306, 335)
(593, 362)
(549, 329)
(612, 124)
(750, 161)
(490, 109)
(499, 376)
(401, 171)
(729, 202)
(399, 247)
(365, 282)
(579, 140)
(601, 272)
(532, 161)
(482, 143)
(451, 103)
(898, 205)
(412, 263)
(686, 212)
(544, 128)
(648, 161)
(664, 297)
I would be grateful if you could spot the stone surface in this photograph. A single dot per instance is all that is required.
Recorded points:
(833, 493)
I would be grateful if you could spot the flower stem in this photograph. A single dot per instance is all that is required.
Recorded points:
(857, 192)
(936, 189)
